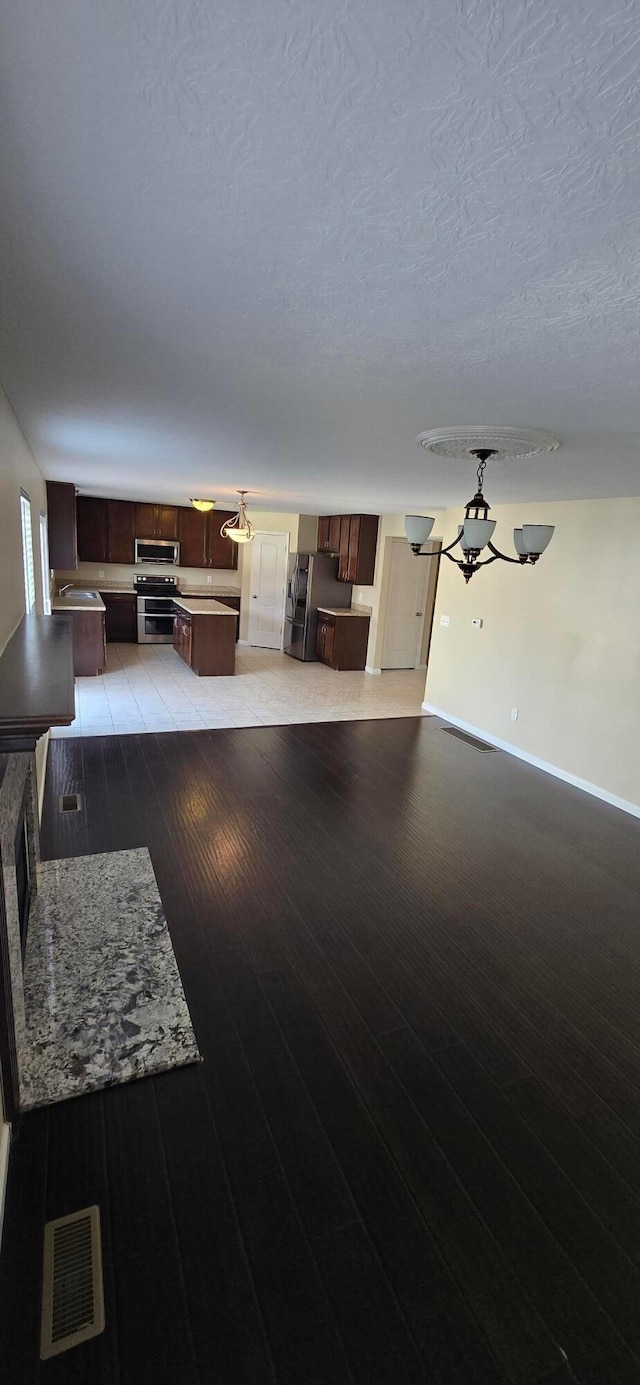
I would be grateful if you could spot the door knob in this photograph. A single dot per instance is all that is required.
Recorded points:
(254, 598)
(418, 613)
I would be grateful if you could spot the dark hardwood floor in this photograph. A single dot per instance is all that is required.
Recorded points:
(412, 1151)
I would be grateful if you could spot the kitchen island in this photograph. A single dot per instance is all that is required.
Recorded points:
(204, 635)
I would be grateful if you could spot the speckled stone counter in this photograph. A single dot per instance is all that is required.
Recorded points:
(103, 997)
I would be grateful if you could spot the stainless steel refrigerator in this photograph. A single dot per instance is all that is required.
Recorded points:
(312, 581)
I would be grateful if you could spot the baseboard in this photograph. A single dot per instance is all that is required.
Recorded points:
(5, 1141)
(368, 668)
(585, 784)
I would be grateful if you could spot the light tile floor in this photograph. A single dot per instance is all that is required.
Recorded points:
(149, 688)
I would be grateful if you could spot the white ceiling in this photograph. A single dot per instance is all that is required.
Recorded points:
(260, 243)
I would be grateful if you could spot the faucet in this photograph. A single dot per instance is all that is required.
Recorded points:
(62, 590)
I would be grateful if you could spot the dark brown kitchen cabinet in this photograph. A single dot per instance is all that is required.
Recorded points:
(156, 521)
(221, 553)
(92, 519)
(192, 533)
(201, 543)
(341, 640)
(354, 539)
(324, 534)
(61, 524)
(120, 617)
(182, 636)
(122, 531)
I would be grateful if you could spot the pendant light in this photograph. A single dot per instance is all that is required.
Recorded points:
(476, 533)
(240, 528)
(203, 505)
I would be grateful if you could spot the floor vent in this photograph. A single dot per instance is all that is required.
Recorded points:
(72, 1292)
(70, 802)
(469, 740)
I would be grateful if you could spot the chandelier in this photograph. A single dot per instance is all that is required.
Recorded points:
(240, 528)
(203, 505)
(476, 533)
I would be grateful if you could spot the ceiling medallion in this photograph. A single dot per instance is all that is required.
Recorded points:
(477, 530)
(240, 528)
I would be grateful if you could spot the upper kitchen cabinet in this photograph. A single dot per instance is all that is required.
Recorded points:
(122, 531)
(192, 533)
(92, 519)
(221, 553)
(61, 523)
(156, 522)
(354, 539)
(324, 534)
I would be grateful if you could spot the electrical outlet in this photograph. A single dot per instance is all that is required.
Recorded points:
(100, 572)
(209, 579)
(514, 713)
(444, 620)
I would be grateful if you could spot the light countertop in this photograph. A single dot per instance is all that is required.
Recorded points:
(203, 607)
(76, 602)
(346, 611)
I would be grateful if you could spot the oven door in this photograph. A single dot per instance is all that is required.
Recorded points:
(155, 620)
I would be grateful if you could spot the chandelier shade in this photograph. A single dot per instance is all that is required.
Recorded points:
(418, 528)
(537, 537)
(476, 533)
(203, 505)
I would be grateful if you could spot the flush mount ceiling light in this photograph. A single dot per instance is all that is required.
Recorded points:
(203, 505)
(240, 528)
(477, 530)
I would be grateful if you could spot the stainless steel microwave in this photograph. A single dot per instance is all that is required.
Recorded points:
(157, 551)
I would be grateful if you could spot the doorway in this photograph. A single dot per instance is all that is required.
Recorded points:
(410, 598)
(268, 579)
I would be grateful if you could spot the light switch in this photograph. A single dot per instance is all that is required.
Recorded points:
(477, 622)
(209, 579)
(100, 572)
(444, 620)
(514, 713)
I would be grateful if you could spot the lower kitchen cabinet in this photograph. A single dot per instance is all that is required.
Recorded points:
(89, 644)
(120, 617)
(341, 640)
(207, 643)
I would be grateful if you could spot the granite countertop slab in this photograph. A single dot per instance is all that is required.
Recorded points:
(78, 602)
(208, 590)
(103, 997)
(201, 607)
(346, 611)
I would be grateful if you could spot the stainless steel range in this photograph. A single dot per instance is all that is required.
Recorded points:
(155, 608)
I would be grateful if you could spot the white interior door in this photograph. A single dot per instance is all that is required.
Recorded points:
(268, 582)
(406, 597)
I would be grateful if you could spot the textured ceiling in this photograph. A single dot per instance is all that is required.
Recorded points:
(264, 244)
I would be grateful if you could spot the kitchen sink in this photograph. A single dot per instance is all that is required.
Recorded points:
(73, 595)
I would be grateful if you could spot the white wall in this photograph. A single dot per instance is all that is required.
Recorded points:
(560, 641)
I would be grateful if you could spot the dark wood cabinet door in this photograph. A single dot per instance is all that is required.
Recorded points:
(320, 634)
(343, 556)
(221, 553)
(61, 524)
(121, 523)
(167, 522)
(192, 533)
(92, 530)
(324, 524)
(334, 533)
(146, 522)
(329, 643)
(354, 549)
(120, 617)
(365, 551)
